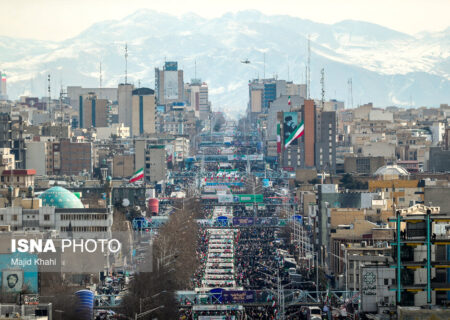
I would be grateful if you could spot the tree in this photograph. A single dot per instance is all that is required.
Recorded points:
(173, 260)
(348, 182)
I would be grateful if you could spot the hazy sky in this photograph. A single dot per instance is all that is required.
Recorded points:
(62, 19)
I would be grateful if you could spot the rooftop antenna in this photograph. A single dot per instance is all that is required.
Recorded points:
(322, 82)
(100, 78)
(126, 63)
(308, 76)
(195, 69)
(350, 92)
(61, 93)
(288, 71)
(49, 95)
(264, 71)
(139, 83)
(305, 77)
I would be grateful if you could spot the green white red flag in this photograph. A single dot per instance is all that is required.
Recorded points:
(297, 133)
(278, 138)
(289, 100)
(138, 175)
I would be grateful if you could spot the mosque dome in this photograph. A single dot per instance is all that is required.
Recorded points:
(391, 170)
(60, 197)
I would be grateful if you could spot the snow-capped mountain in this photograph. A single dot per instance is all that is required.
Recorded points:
(387, 67)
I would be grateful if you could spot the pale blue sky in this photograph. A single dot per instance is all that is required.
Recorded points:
(62, 19)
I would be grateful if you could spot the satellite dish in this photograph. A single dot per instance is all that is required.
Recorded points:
(125, 202)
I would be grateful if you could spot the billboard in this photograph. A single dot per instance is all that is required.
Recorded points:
(225, 198)
(243, 221)
(171, 85)
(18, 271)
(235, 296)
(12, 280)
(290, 123)
(246, 198)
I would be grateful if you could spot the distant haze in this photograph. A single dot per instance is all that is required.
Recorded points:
(62, 19)
(387, 67)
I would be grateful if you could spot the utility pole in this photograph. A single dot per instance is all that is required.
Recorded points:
(126, 63)
(49, 95)
(308, 75)
(322, 82)
(264, 73)
(350, 93)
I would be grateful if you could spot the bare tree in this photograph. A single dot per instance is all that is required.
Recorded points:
(173, 260)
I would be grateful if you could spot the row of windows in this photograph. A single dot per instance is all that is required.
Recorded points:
(85, 229)
(14, 217)
(84, 216)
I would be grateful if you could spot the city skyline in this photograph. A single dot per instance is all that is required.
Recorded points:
(410, 17)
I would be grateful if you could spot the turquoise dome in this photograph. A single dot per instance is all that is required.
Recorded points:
(60, 198)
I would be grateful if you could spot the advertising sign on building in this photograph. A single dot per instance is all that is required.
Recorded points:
(243, 221)
(247, 296)
(225, 198)
(246, 198)
(289, 125)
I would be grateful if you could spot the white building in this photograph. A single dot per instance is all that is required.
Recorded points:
(381, 115)
(58, 209)
(375, 293)
(437, 131)
(180, 149)
(116, 129)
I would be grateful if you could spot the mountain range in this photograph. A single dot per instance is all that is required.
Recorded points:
(387, 67)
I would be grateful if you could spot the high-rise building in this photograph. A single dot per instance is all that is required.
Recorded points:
(74, 157)
(151, 157)
(169, 85)
(262, 92)
(293, 89)
(197, 98)
(143, 112)
(124, 99)
(317, 147)
(93, 112)
(325, 141)
(74, 93)
(12, 136)
(3, 93)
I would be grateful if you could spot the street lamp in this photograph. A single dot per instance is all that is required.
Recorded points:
(148, 298)
(345, 261)
(143, 314)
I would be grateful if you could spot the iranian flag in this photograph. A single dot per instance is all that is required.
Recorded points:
(289, 100)
(278, 138)
(298, 132)
(138, 175)
(4, 77)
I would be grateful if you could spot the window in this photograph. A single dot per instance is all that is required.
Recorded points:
(1, 217)
(46, 217)
(14, 217)
(386, 282)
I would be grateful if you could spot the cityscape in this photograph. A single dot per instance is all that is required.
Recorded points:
(224, 161)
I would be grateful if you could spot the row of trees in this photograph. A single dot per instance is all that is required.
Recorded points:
(173, 260)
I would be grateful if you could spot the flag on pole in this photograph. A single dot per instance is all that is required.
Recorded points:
(278, 138)
(138, 175)
(289, 100)
(297, 133)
